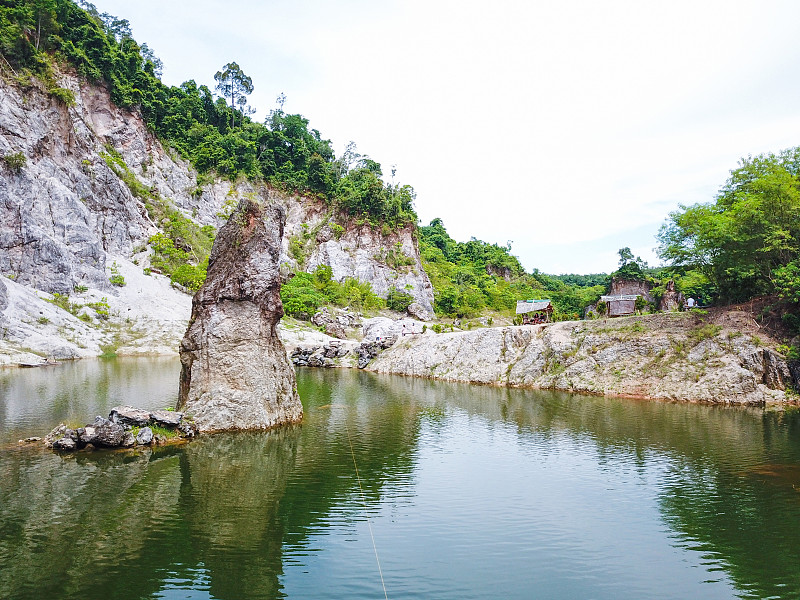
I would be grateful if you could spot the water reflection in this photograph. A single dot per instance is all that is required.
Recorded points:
(472, 492)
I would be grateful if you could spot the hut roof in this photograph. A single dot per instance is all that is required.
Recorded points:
(526, 306)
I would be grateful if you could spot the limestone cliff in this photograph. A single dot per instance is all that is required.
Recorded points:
(677, 356)
(235, 373)
(75, 206)
(385, 259)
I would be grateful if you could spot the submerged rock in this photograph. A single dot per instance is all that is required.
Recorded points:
(235, 372)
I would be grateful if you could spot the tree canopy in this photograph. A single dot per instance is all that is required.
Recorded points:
(746, 243)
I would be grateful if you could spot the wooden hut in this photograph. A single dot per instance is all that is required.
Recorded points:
(534, 311)
(620, 305)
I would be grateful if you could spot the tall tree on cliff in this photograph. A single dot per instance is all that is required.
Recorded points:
(234, 84)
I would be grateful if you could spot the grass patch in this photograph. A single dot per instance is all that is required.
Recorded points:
(705, 332)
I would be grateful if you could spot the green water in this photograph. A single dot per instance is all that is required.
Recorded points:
(467, 492)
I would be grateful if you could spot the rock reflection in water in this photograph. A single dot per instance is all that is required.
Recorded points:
(559, 494)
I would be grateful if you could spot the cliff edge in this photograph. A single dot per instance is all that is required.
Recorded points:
(723, 358)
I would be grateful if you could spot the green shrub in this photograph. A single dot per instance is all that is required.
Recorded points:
(116, 278)
(300, 297)
(15, 162)
(191, 276)
(397, 300)
(62, 95)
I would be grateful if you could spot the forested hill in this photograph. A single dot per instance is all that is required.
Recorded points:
(37, 36)
(746, 243)
(743, 244)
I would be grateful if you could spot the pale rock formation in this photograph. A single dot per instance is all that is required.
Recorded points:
(66, 216)
(360, 251)
(672, 356)
(671, 300)
(235, 371)
(383, 327)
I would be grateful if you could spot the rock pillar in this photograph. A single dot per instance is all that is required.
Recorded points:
(235, 372)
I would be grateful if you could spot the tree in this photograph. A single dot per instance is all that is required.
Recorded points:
(745, 242)
(234, 84)
(629, 266)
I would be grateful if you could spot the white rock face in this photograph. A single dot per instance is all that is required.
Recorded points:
(235, 371)
(360, 252)
(66, 216)
(383, 327)
(656, 357)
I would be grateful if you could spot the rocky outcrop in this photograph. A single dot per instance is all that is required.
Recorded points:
(382, 259)
(118, 430)
(672, 299)
(621, 286)
(78, 204)
(235, 373)
(675, 356)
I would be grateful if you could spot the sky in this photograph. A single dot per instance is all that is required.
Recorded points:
(570, 129)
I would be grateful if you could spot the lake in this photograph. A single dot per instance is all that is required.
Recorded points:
(433, 490)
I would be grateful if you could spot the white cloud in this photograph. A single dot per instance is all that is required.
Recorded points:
(560, 126)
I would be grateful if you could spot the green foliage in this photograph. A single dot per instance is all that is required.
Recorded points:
(63, 95)
(394, 257)
(338, 230)
(117, 164)
(300, 296)
(181, 252)
(704, 332)
(305, 293)
(100, 308)
(15, 161)
(630, 267)
(746, 241)
(234, 84)
(116, 278)
(469, 277)
(215, 136)
(398, 300)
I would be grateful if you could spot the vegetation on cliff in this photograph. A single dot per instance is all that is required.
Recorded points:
(469, 277)
(35, 35)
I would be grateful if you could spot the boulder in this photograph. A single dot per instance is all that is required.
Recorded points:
(169, 419)
(322, 318)
(106, 433)
(235, 371)
(66, 444)
(416, 310)
(145, 436)
(128, 440)
(335, 329)
(55, 434)
(128, 415)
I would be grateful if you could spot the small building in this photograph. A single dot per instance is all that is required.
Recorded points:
(534, 311)
(620, 305)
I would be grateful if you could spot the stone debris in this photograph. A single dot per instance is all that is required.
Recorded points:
(118, 430)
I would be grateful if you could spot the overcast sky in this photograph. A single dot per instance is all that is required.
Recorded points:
(571, 129)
